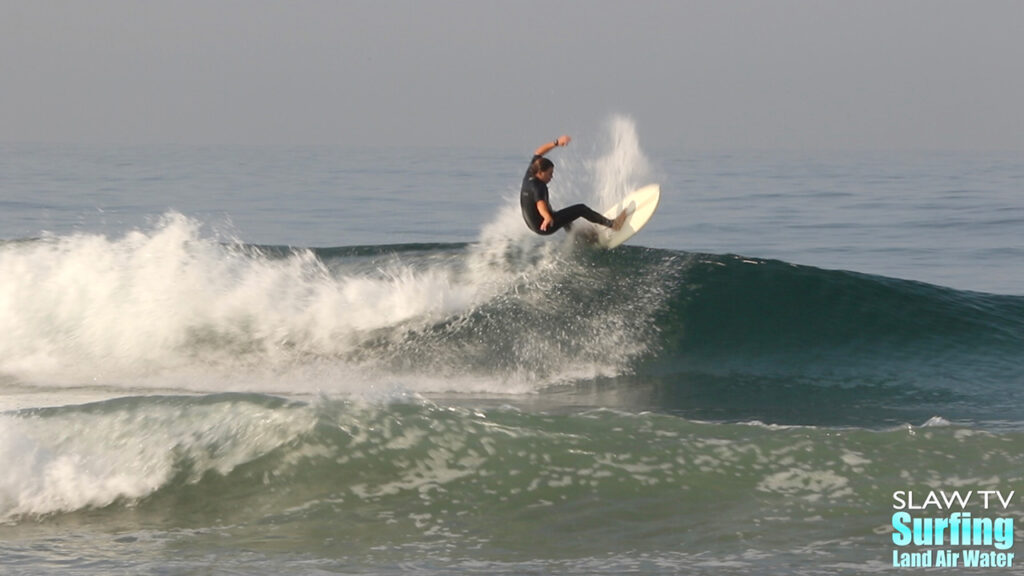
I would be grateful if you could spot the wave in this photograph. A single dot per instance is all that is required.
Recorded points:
(172, 309)
(418, 465)
(756, 309)
(747, 337)
(87, 307)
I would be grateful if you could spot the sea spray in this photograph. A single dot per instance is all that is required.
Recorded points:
(623, 167)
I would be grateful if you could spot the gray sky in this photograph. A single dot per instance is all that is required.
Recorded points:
(786, 74)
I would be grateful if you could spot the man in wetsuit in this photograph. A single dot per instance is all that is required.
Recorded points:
(534, 197)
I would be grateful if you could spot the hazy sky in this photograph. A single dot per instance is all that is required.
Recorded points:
(851, 74)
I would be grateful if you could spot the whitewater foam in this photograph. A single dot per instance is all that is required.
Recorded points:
(157, 299)
(170, 308)
(122, 451)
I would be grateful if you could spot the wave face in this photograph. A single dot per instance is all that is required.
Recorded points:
(817, 346)
(709, 336)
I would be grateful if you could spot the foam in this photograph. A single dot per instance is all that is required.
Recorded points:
(95, 458)
(157, 299)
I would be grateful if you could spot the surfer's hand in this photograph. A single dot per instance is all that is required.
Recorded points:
(547, 223)
(563, 140)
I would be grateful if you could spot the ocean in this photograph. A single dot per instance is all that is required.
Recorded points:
(315, 360)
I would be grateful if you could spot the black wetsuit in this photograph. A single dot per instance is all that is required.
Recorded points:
(534, 191)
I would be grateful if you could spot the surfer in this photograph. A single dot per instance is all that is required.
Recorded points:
(534, 197)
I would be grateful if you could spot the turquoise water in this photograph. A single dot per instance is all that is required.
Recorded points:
(325, 361)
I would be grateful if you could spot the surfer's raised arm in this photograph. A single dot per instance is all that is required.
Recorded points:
(546, 147)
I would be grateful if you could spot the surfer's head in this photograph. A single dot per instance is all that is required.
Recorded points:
(542, 169)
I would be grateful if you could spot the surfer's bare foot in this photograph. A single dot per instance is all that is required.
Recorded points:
(619, 221)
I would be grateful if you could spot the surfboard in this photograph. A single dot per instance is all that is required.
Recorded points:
(639, 205)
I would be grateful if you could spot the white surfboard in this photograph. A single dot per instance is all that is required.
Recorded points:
(639, 206)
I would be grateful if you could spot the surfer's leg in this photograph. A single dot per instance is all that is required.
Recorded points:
(565, 216)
